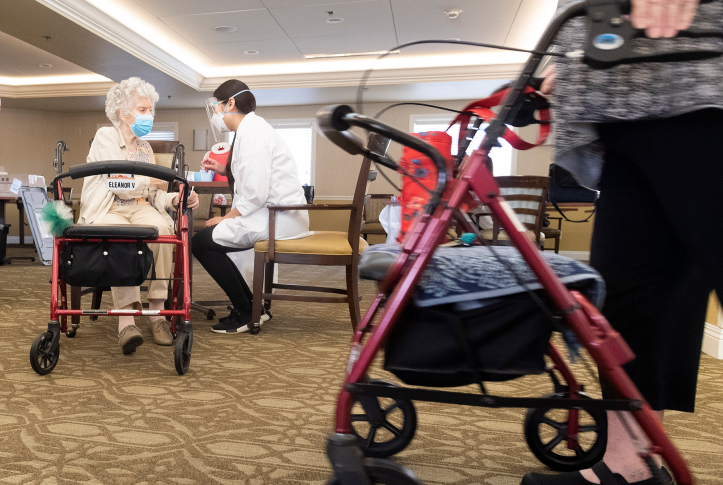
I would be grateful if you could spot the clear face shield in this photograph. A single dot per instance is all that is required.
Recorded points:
(213, 106)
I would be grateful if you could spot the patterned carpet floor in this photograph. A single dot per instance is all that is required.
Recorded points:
(252, 409)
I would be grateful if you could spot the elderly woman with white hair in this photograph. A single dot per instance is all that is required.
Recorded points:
(130, 106)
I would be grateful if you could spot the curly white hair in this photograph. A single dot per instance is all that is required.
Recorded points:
(120, 97)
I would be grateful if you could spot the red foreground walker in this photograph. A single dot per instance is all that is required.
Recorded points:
(345, 448)
(45, 350)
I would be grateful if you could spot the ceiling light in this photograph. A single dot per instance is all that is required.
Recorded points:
(45, 65)
(251, 52)
(334, 20)
(225, 29)
(456, 39)
(349, 54)
(453, 13)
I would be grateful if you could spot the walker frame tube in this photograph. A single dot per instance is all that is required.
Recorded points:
(604, 344)
(181, 270)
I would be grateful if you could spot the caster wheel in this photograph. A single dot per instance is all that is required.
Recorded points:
(383, 426)
(42, 359)
(71, 333)
(254, 330)
(211, 315)
(182, 352)
(546, 432)
(386, 473)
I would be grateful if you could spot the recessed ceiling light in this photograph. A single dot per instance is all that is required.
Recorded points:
(45, 65)
(453, 13)
(251, 52)
(334, 20)
(350, 54)
(456, 39)
(225, 29)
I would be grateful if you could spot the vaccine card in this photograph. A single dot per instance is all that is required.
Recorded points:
(121, 181)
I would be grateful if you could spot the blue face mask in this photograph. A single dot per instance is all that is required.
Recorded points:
(142, 125)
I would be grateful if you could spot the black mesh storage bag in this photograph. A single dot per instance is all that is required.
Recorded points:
(431, 346)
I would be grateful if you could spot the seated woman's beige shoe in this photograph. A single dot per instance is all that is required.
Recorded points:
(161, 331)
(130, 338)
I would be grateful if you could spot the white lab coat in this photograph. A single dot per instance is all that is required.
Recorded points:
(265, 174)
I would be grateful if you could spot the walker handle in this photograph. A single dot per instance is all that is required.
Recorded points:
(124, 166)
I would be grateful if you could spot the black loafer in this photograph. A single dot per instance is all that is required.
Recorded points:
(606, 476)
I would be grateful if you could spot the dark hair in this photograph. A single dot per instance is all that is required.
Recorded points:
(245, 103)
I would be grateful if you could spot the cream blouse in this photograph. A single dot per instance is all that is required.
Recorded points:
(96, 199)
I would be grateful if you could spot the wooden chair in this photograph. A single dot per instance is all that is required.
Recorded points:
(526, 195)
(554, 233)
(370, 219)
(325, 248)
(169, 154)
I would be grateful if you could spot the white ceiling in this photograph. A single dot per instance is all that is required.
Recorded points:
(299, 27)
(20, 60)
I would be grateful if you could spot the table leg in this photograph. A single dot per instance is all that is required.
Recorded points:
(21, 220)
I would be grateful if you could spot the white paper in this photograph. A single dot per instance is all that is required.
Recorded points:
(15, 187)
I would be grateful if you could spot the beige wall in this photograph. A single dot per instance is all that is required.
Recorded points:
(29, 139)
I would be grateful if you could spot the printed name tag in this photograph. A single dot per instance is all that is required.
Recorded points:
(120, 181)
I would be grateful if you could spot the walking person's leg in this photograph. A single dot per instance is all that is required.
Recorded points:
(657, 244)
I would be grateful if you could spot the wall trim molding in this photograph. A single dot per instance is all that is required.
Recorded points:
(713, 339)
(55, 90)
(579, 255)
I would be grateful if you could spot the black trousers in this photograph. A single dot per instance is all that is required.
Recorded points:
(658, 243)
(213, 257)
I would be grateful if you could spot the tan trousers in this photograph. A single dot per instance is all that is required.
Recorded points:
(162, 253)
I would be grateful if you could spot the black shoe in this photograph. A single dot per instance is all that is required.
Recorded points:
(600, 469)
(265, 316)
(236, 322)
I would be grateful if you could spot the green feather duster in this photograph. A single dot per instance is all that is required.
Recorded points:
(57, 216)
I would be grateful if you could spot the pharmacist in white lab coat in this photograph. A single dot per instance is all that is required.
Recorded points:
(262, 172)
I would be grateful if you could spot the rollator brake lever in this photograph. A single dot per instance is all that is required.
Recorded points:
(610, 33)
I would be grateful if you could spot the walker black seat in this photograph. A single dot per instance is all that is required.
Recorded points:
(111, 231)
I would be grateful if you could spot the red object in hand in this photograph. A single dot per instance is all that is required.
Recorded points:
(220, 152)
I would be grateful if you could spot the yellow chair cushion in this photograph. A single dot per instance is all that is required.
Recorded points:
(502, 236)
(320, 242)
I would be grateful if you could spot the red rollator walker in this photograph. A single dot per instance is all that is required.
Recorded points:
(125, 245)
(356, 459)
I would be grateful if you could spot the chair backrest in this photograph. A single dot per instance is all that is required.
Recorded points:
(526, 195)
(164, 151)
(377, 144)
(374, 205)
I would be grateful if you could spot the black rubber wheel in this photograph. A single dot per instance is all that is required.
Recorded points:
(385, 473)
(254, 330)
(211, 315)
(42, 359)
(546, 431)
(182, 352)
(389, 435)
(71, 333)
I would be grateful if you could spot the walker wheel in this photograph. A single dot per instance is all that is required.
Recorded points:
(182, 352)
(383, 426)
(211, 315)
(42, 359)
(386, 473)
(71, 333)
(546, 435)
(254, 330)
